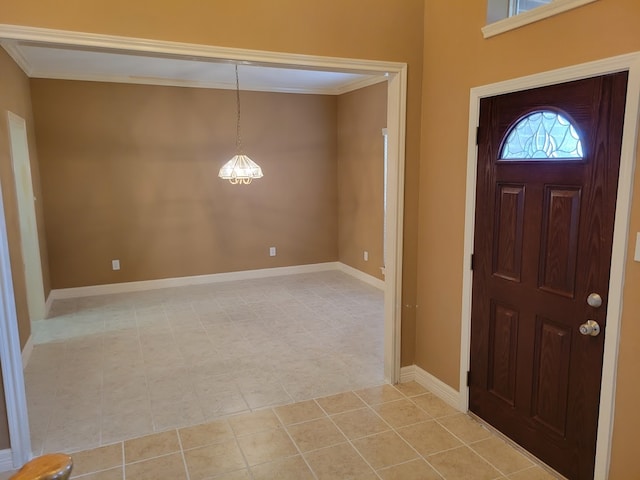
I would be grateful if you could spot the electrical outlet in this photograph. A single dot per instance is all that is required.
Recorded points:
(366, 256)
(272, 251)
(115, 264)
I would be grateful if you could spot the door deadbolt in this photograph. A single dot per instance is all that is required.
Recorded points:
(594, 300)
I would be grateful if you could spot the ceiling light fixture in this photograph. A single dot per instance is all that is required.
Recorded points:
(240, 169)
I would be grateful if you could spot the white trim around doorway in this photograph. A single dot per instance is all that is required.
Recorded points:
(395, 74)
(631, 63)
(21, 162)
(11, 362)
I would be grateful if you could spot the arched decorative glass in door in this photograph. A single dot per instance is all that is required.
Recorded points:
(542, 135)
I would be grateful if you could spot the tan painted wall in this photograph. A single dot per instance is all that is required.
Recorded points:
(129, 172)
(456, 58)
(14, 97)
(362, 114)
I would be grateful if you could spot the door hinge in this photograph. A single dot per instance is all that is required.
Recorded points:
(468, 378)
(477, 135)
(472, 261)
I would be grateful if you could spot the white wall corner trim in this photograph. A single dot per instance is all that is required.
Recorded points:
(407, 374)
(628, 62)
(27, 351)
(47, 305)
(11, 357)
(362, 276)
(436, 386)
(6, 460)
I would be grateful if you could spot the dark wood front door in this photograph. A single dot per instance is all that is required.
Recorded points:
(543, 239)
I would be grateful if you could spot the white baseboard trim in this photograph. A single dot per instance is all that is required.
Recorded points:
(26, 351)
(6, 460)
(143, 285)
(360, 275)
(433, 384)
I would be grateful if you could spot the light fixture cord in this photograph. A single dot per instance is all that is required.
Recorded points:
(238, 137)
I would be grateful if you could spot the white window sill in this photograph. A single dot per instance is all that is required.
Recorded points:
(540, 13)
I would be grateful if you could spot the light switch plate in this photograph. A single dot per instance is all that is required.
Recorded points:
(636, 257)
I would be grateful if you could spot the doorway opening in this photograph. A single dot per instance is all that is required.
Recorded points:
(396, 78)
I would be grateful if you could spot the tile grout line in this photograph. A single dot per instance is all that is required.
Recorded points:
(101, 406)
(124, 470)
(304, 459)
(175, 329)
(469, 446)
(144, 369)
(184, 460)
(244, 457)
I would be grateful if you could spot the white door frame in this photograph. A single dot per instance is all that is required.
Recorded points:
(630, 63)
(27, 216)
(396, 76)
(11, 357)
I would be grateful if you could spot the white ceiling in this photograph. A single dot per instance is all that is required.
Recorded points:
(56, 61)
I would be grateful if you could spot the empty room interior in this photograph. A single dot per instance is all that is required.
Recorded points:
(127, 175)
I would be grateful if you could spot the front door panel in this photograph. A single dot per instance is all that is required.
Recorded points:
(543, 238)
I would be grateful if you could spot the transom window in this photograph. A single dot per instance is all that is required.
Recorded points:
(499, 9)
(542, 135)
(517, 7)
(505, 15)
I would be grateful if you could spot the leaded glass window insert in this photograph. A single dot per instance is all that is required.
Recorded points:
(542, 135)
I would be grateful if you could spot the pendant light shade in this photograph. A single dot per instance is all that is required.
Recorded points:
(240, 170)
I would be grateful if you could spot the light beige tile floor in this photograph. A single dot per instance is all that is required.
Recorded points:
(113, 367)
(244, 380)
(353, 435)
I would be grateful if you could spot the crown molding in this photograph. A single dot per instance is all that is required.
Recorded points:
(10, 35)
(15, 53)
